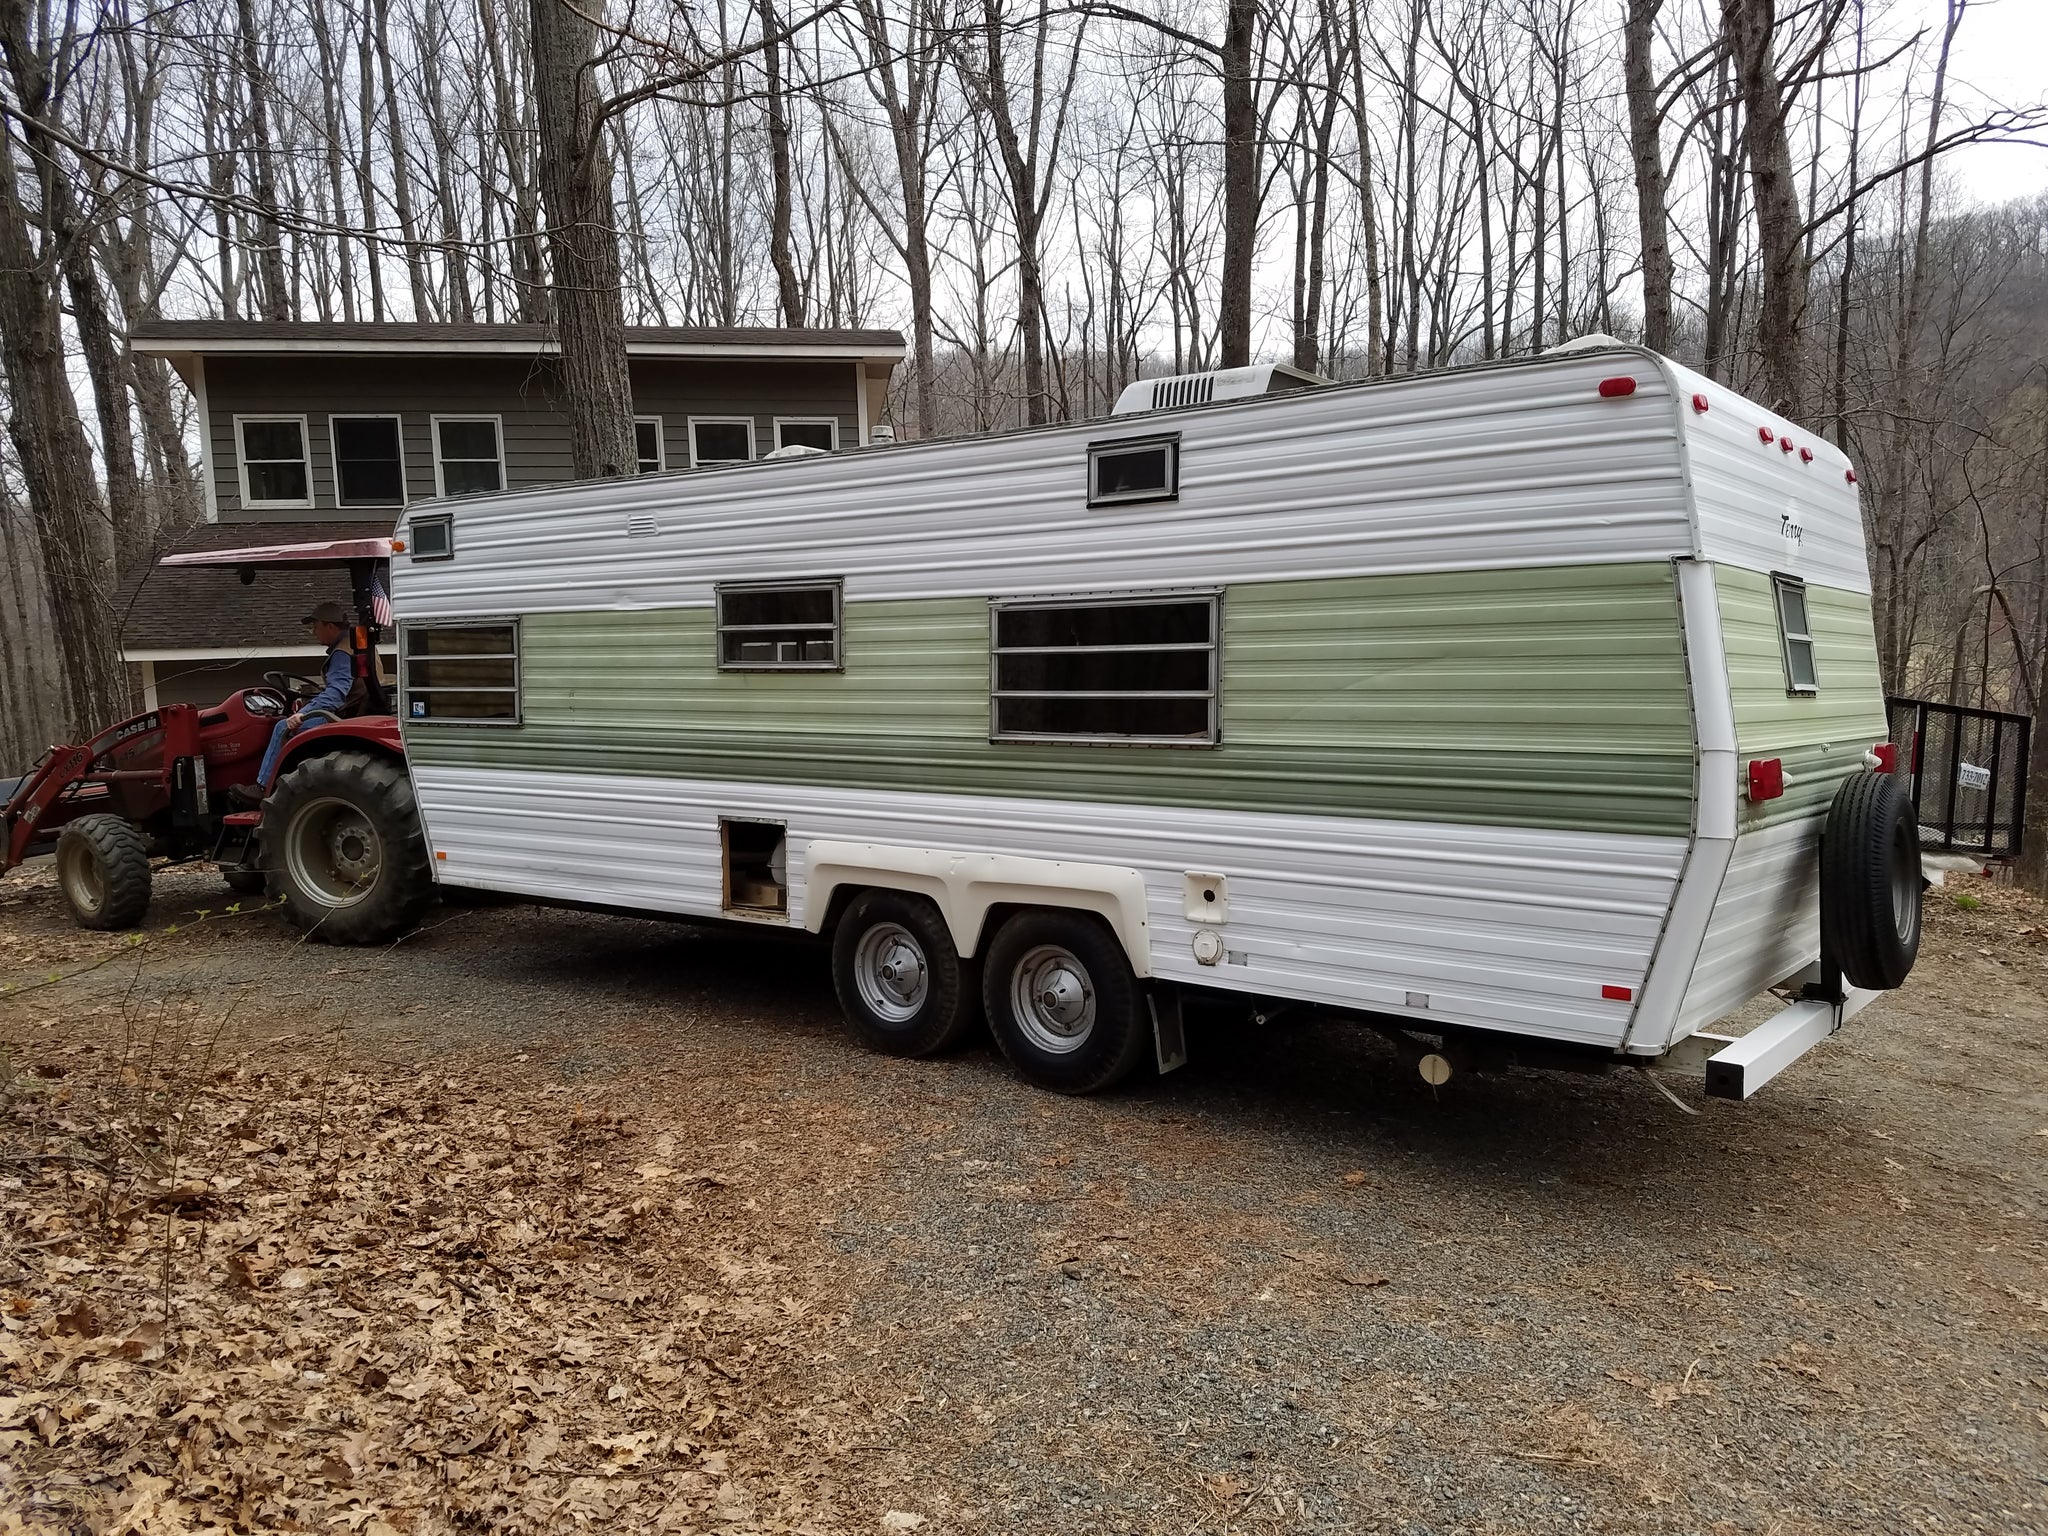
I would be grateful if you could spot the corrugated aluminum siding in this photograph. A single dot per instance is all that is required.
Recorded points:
(1525, 698)
(1494, 927)
(1766, 921)
(1487, 468)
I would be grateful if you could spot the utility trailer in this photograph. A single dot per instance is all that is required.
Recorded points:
(1527, 709)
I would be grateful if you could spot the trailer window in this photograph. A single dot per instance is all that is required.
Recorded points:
(461, 672)
(792, 628)
(1108, 669)
(1135, 469)
(1795, 636)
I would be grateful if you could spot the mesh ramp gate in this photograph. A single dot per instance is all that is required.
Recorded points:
(1967, 772)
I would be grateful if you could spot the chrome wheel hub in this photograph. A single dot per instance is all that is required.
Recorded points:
(891, 973)
(1053, 999)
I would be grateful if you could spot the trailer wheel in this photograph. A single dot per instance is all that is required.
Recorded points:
(900, 979)
(343, 850)
(1870, 882)
(1063, 1002)
(103, 871)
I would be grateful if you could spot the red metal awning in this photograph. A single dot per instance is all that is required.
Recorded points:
(329, 552)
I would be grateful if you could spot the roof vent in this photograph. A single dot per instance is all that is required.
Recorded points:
(1221, 384)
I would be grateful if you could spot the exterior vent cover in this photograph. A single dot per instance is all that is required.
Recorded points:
(1221, 384)
(640, 526)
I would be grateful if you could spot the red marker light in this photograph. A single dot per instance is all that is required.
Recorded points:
(1765, 435)
(1806, 455)
(1614, 389)
(1849, 475)
(1785, 443)
(1699, 403)
(1887, 755)
(1615, 994)
(1766, 778)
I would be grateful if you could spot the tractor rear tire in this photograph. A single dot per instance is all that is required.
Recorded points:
(103, 871)
(343, 849)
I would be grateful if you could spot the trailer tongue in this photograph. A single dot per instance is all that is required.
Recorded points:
(337, 841)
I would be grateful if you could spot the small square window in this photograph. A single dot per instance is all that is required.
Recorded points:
(468, 457)
(792, 628)
(369, 466)
(1795, 635)
(822, 434)
(274, 468)
(647, 443)
(728, 440)
(1137, 469)
(431, 538)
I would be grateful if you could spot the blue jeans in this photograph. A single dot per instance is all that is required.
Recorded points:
(280, 733)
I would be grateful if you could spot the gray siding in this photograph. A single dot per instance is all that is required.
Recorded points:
(524, 393)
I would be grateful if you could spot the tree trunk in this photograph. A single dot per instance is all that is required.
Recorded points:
(1653, 220)
(583, 246)
(50, 446)
(1750, 29)
(273, 293)
(791, 291)
(1240, 182)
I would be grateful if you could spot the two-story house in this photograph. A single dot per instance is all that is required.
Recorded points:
(318, 430)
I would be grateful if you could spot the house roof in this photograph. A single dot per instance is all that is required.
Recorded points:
(191, 609)
(185, 338)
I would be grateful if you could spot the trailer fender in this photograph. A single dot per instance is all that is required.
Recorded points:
(966, 886)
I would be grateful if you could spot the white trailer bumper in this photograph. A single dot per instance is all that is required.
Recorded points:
(1737, 1066)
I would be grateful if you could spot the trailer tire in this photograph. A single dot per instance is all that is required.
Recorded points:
(1870, 882)
(103, 871)
(899, 976)
(343, 850)
(1063, 1002)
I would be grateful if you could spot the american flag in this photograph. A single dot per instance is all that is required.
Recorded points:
(380, 604)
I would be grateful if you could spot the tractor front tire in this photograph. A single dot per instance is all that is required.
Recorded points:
(343, 850)
(103, 871)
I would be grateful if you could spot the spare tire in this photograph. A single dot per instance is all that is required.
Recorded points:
(1870, 882)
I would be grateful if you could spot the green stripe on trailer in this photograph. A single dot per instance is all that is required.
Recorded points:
(1820, 737)
(1538, 698)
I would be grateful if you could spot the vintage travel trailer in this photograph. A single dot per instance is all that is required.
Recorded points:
(1532, 704)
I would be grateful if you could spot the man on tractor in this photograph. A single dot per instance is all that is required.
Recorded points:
(329, 625)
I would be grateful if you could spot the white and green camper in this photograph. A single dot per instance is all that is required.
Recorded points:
(1533, 703)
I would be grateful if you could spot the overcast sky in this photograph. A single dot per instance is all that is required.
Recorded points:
(2001, 55)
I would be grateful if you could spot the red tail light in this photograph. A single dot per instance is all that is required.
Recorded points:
(1887, 755)
(1615, 994)
(1699, 403)
(1766, 778)
(1614, 389)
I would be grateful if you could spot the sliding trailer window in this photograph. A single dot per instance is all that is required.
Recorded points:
(1795, 635)
(1134, 470)
(466, 673)
(1139, 670)
(779, 627)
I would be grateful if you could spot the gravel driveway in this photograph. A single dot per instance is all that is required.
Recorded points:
(1289, 1287)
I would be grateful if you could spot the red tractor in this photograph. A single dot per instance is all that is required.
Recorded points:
(337, 839)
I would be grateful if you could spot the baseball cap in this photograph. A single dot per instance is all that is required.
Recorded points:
(327, 613)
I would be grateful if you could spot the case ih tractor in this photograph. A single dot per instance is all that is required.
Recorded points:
(337, 839)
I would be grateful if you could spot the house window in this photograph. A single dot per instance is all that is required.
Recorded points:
(807, 432)
(369, 465)
(647, 443)
(721, 439)
(468, 455)
(465, 672)
(1136, 469)
(274, 468)
(781, 628)
(1105, 669)
(1795, 635)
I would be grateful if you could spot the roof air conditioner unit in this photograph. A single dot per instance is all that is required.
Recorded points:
(1221, 384)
